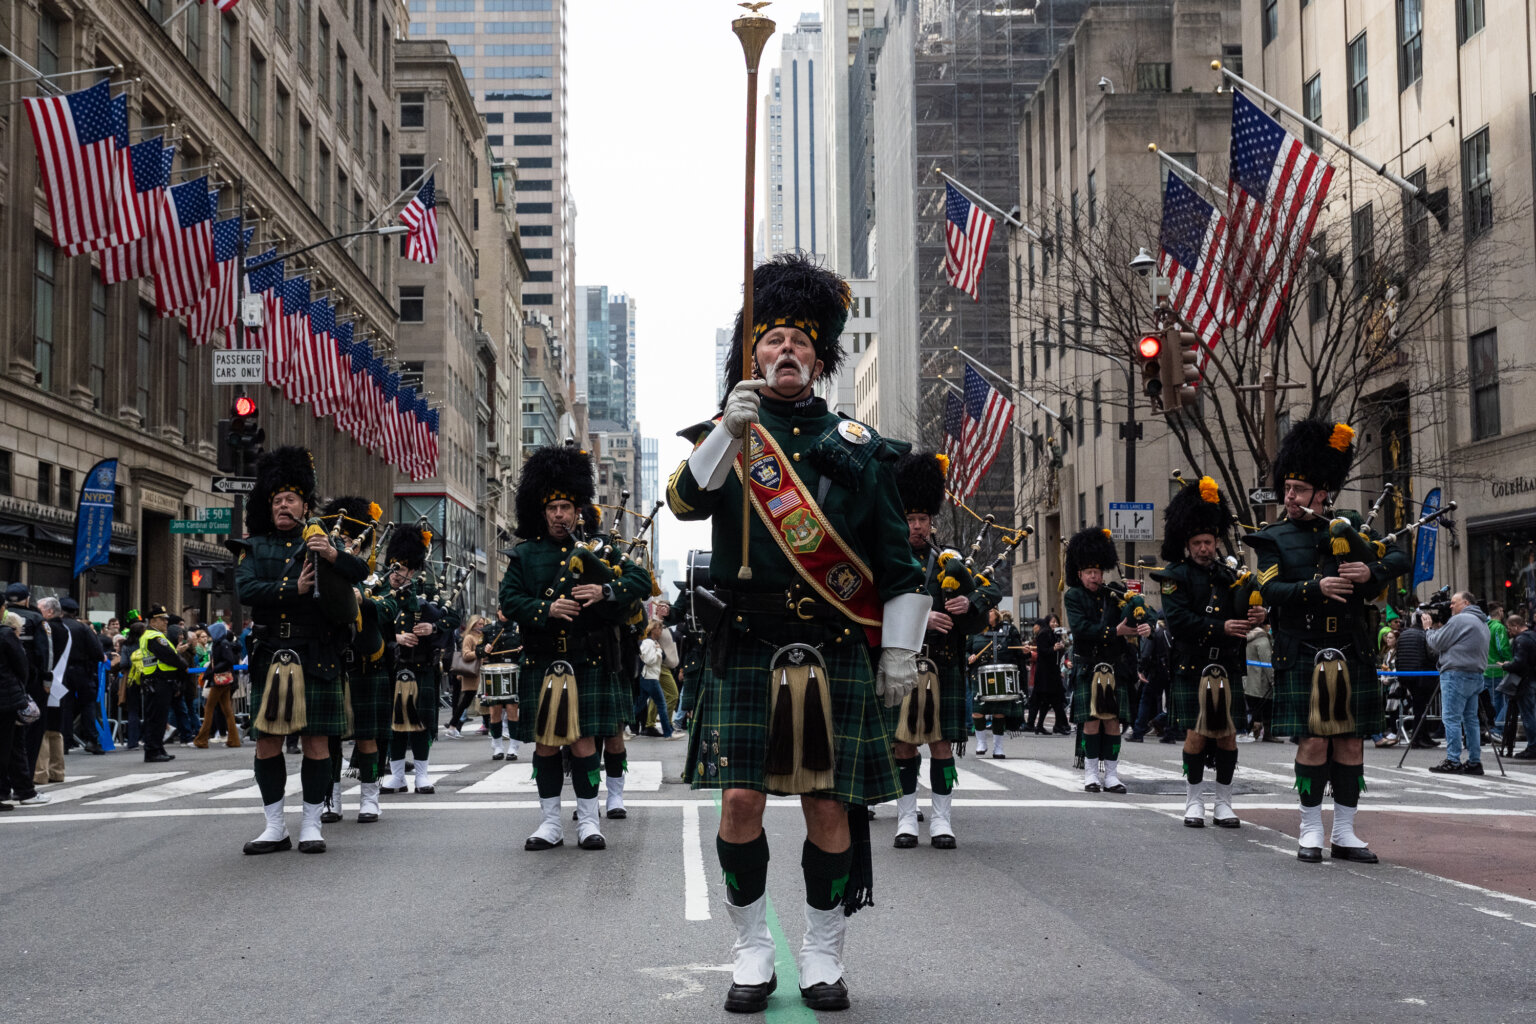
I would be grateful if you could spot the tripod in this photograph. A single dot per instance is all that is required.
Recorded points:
(1431, 711)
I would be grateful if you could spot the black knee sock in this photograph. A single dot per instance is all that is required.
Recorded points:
(745, 866)
(367, 766)
(998, 725)
(1082, 743)
(826, 875)
(615, 765)
(496, 730)
(271, 778)
(1310, 780)
(585, 772)
(315, 777)
(1348, 780)
(907, 769)
(1109, 746)
(335, 745)
(421, 746)
(1226, 764)
(1194, 768)
(941, 775)
(548, 775)
(397, 745)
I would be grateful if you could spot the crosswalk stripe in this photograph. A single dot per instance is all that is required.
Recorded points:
(642, 777)
(1038, 771)
(1148, 772)
(180, 787)
(107, 785)
(965, 781)
(435, 773)
(291, 787)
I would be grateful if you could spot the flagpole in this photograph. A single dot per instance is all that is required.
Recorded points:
(1024, 395)
(1011, 421)
(412, 187)
(1380, 168)
(40, 77)
(977, 197)
(184, 6)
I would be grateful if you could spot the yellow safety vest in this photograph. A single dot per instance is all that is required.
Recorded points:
(148, 663)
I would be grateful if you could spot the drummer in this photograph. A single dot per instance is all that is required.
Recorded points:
(998, 646)
(498, 685)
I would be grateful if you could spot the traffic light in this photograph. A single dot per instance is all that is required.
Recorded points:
(239, 435)
(1179, 369)
(200, 577)
(1148, 351)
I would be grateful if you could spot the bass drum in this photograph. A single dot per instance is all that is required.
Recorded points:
(698, 576)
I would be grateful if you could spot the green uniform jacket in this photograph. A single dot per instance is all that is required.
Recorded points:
(536, 575)
(1197, 602)
(1092, 618)
(267, 579)
(950, 648)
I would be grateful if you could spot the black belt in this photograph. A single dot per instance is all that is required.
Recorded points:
(561, 646)
(287, 629)
(788, 605)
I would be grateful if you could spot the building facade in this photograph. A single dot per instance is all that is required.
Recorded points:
(794, 144)
(843, 26)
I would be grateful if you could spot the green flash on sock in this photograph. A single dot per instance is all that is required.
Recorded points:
(730, 880)
(951, 775)
(1303, 785)
(594, 777)
(838, 886)
(1362, 782)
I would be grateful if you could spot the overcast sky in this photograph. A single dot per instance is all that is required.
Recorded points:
(657, 129)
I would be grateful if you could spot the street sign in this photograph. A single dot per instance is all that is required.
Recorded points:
(219, 515)
(215, 520)
(1133, 586)
(237, 366)
(1262, 496)
(1130, 520)
(234, 484)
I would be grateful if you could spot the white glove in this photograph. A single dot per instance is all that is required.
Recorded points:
(741, 407)
(897, 675)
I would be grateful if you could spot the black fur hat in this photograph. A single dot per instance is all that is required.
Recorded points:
(920, 481)
(550, 473)
(351, 514)
(793, 290)
(289, 468)
(1197, 508)
(1318, 453)
(1090, 549)
(408, 545)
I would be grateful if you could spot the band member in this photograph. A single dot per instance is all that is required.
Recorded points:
(1326, 691)
(566, 601)
(1209, 615)
(414, 624)
(298, 584)
(1101, 700)
(502, 646)
(791, 704)
(934, 713)
(997, 644)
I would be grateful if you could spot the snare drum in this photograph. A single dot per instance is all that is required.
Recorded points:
(998, 683)
(698, 576)
(498, 683)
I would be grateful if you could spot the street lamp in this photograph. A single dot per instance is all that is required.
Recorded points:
(390, 229)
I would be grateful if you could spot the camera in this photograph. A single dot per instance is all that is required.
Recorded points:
(1438, 606)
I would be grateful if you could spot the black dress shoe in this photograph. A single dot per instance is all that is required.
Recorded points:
(905, 841)
(498, 756)
(822, 996)
(1227, 822)
(593, 842)
(159, 758)
(750, 998)
(920, 816)
(1093, 787)
(259, 846)
(329, 817)
(312, 846)
(1118, 787)
(999, 757)
(1310, 854)
(1358, 854)
(511, 757)
(540, 843)
(6, 807)
(426, 789)
(1528, 754)
(617, 814)
(366, 817)
(942, 842)
(391, 789)
(1194, 823)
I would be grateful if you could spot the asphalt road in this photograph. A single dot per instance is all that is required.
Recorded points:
(128, 899)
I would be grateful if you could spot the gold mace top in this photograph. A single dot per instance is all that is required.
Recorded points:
(753, 29)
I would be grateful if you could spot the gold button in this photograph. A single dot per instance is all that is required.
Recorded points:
(797, 431)
(285, 579)
(564, 550)
(796, 456)
(846, 632)
(738, 618)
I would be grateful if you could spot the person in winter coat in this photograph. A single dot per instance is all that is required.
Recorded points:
(1522, 644)
(223, 655)
(1462, 645)
(651, 659)
(15, 670)
(1414, 655)
(1259, 681)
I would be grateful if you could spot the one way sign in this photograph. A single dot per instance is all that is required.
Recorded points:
(234, 484)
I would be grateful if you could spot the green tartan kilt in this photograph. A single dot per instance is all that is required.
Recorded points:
(728, 741)
(1184, 698)
(1293, 697)
(953, 721)
(325, 704)
(602, 701)
(372, 692)
(1082, 679)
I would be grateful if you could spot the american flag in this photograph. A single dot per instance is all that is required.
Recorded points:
(264, 281)
(220, 304)
(126, 225)
(182, 249)
(1192, 239)
(432, 429)
(321, 355)
(967, 231)
(222, 5)
(421, 424)
(954, 433)
(293, 335)
(152, 161)
(1276, 189)
(345, 382)
(420, 215)
(356, 422)
(987, 417)
(387, 386)
(77, 153)
(402, 424)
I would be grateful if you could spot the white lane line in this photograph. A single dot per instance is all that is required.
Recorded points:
(695, 889)
(180, 787)
(964, 781)
(107, 785)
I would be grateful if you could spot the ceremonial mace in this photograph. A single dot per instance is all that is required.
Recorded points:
(753, 29)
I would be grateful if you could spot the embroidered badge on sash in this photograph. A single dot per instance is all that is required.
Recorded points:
(843, 580)
(802, 531)
(766, 472)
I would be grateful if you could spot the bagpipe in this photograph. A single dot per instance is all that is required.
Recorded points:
(336, 600)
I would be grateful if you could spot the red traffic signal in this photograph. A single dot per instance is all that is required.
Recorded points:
(245, 406)
(1150, 346)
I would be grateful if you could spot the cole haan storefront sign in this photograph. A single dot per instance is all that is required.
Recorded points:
(1513, 487)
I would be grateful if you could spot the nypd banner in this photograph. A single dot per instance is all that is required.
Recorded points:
(93, 516)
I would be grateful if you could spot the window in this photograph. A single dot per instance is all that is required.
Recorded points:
(1093, 199)
(341, 199)
(142, 364)
(532, 140)
(1312, 110)
(519, 5)
(1362, 236)
(373, 140)
(323, 72)
(453, 28)
(1483, 364)
(536, 185)
(301, 37)
(497, 141)
(411, 167)
(413, 110)
(357, 110)
(518, 28)
(1077, 419)
(531, 116)
(495, 117)
(1477, 184)
(280, 104)
(49, 42)
(535, 163)
(5, 473)
(519, 71)
(1416, 224)
(1082, 510)
(535, 208)
(1232, 58)
(538, 299)
(44, 483)
(1359, 82)
(1317, 281)
(258, 88)
(192, 36)
(541, 276)
(227, 61)
(181, 383)
(341, 88)
(373, 38)
(1098, 504)
(536, 230)
(96, 378)
(413, 304)
(301, 172)
(323, 183)
(1410, 42)
(519, 95)
(518, 49)
(280, 18)
(1098, 409)
(1469, 19)
(42, 312)
(1271, 20)
(1154, 77)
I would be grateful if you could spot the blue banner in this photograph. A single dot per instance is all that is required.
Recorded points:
(1424, 545)
(93, 516)
(103, 723)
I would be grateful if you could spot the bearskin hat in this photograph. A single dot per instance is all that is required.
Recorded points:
(350, 514)
(550, 473)
(1090, 549)
(289, 468)
(1316, 452)
(1197, 508)
(408, 545)
(793, 290)
(920, 481)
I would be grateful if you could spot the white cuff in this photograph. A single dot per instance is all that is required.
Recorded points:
(711, 461)
(904, 621)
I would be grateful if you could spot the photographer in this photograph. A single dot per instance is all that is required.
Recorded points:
(1414, 655)
(1462, 646)
(1522, 642)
